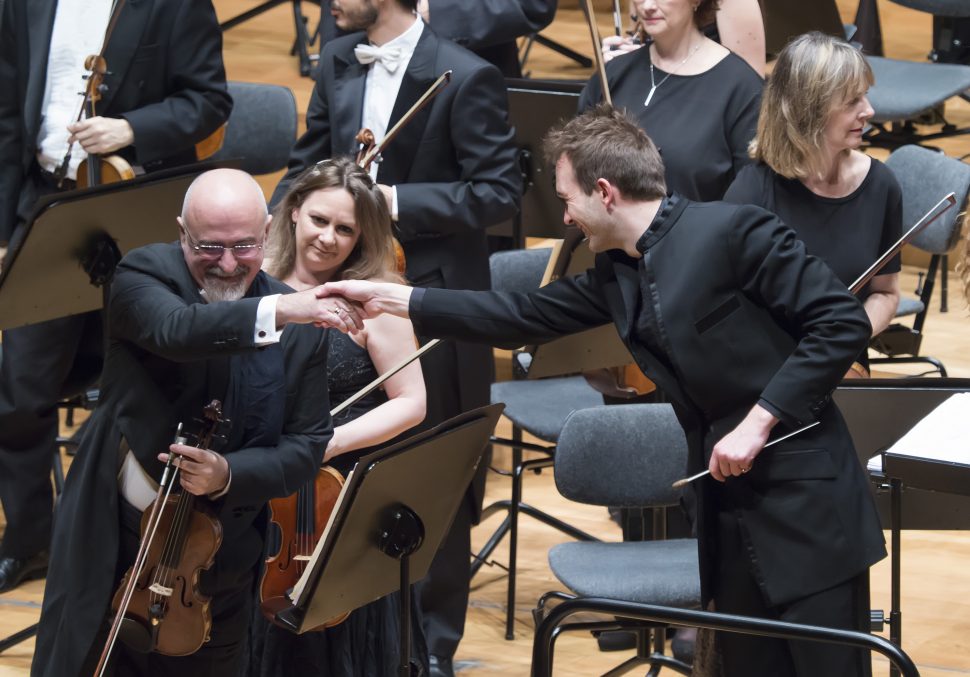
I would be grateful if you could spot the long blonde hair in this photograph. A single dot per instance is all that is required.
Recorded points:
(815, 73)
(372, 257)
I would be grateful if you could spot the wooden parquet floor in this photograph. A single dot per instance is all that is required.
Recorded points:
(936, 587)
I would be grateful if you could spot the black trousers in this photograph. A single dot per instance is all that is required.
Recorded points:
(37, 366)
(844, 606)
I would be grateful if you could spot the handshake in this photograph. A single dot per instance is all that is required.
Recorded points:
(343, 305)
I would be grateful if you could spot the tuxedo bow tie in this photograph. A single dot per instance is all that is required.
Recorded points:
(389, 56)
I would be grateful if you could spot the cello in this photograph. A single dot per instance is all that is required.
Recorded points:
(158, 606)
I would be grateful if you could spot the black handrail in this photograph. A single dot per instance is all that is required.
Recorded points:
(542, 644)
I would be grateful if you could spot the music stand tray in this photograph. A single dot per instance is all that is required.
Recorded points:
(73, 240)
(393, 513)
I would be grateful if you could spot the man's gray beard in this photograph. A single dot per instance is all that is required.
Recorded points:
(219, 289)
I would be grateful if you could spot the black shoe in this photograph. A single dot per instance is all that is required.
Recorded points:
(617, 640)
(440, 666)
(14, 570)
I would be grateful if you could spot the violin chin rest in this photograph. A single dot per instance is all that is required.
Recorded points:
(135, 635)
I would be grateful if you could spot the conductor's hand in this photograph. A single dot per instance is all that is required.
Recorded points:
(615, 45)
(306, 307)
(373, 297)
(735, 452)
(203, 472)
(101, 135)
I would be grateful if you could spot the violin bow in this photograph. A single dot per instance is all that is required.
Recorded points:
(436, 87)
(154, 519)
(594, 36)
(379, 381)
(929, 217)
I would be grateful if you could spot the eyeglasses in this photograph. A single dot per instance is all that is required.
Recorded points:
(213, 251)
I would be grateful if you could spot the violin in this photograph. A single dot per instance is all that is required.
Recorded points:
(95, 170)
(303, 517)
(158, 605)
(301, 520)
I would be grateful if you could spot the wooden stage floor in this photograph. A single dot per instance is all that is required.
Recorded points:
(936, 589)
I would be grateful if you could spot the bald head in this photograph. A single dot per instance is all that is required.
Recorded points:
(224, 194)
(223, 207)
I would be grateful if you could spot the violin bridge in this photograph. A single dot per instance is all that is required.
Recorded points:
(302, 558)
(160, 589)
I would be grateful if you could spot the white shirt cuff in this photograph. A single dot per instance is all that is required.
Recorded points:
(393, 203)
(265, 331)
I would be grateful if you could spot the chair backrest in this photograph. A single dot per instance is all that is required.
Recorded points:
(925, 176)
(518, 270)
(945, 8)
(261, 129)
(625, 455)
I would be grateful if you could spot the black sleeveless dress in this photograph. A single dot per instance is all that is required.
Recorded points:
(366, 644)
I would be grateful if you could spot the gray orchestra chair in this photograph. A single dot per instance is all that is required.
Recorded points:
(261, 129)
(536, 406)
(925, 176)
(627, 455)
(908, 93)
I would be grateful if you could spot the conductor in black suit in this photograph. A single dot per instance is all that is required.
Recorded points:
(721, 307)
(489, 29)
(188, 322)
(165, 91)
(448, 175)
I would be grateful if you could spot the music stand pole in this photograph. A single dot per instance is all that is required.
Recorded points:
(402, 533)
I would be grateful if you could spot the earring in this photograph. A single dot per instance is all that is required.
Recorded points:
(293, 225)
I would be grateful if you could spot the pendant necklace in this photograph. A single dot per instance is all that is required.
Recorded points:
(654, 85)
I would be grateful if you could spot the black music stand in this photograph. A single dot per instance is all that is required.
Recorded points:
(393, 512)
(64, 259)
(878, 413)
(61, 261)
(535, 106)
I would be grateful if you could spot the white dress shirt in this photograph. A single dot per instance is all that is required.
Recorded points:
(79, 27)
(381, 89)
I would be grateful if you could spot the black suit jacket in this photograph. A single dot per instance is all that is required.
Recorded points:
(746, 315)
(166, 77)
(168, 356)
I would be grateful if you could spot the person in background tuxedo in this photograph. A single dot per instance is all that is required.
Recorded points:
(189, 322)
(448, 175)
(845, 206)
(489, 29)
(720, 306)
(165, 91)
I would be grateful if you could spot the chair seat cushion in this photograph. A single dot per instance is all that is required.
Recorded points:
(909, 306)
(904, 89)
(541, 406)
(647, 572)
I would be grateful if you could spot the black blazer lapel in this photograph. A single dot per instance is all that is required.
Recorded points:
(420, 75)
(40, 25)
(348, 91)
(124, 42)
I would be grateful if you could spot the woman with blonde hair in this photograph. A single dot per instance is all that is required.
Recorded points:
(334, 224)
(845, 206)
